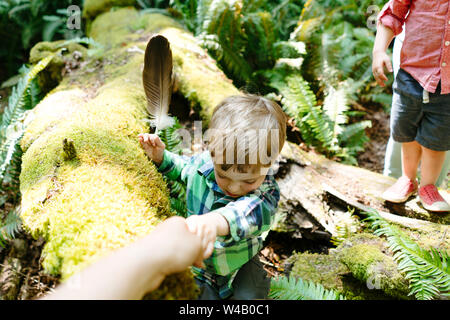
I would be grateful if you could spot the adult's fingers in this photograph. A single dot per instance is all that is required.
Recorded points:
(192, 227)
(209, 250)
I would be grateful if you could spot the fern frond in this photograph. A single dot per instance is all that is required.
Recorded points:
(428, 271)
(334, 106)
(282, 288)
(353, 134)
(22, 98)
(10, 227)
(261, 36)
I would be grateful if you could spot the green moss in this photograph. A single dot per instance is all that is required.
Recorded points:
(329, 271)
(318, 268)
(51, 75)
(364, 256)
(175, 288)
(358, 268)
(87, 223)
(92, 8)
(57, 106)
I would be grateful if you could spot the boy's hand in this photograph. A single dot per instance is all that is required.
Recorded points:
(381, 60)
(153, 146)
(207, 226)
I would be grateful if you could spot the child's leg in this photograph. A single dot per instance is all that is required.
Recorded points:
(251, 281)
(411, 155)
(206, 291)
(432, 162)
(444, 171)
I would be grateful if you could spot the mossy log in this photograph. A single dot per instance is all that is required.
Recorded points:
(87, 186)
(360, 268)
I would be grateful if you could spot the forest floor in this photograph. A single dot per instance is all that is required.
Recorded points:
(32, 282)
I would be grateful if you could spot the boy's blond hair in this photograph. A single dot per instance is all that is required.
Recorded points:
(246, 130)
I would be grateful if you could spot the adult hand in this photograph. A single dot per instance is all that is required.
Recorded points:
(204, 227)
(180, 247)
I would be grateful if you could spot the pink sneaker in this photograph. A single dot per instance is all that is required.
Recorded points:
(432, 200)
(401, 190)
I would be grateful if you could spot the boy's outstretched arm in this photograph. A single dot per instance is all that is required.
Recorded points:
(132, 271)
(207, 227)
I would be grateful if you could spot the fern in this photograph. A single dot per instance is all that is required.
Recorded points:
(10, 227)
(282, 288)
(337, 50)
(428, 271)
(335, 105)
(177, 190)
(223, 19)
(12, 126)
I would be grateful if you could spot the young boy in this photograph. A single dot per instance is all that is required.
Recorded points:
(420, 115)
(232, 195)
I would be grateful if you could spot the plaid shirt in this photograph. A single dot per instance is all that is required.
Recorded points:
(248, 216)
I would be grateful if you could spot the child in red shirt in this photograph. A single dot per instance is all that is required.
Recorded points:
(420, 115)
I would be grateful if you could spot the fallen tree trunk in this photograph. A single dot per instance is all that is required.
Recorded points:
(87, 186)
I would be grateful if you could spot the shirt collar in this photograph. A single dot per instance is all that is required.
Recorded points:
(207, 170)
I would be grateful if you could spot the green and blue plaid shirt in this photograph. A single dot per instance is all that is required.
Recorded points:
(248, 216)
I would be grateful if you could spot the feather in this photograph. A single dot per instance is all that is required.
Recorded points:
(157, 80)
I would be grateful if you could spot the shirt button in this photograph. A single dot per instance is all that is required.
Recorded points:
(444, 64)
(447, 43)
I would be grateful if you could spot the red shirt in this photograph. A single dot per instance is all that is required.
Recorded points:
(425, 53)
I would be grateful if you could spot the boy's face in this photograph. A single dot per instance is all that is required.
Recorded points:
(237, 184)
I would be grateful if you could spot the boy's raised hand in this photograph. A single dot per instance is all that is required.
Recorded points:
(153, 146)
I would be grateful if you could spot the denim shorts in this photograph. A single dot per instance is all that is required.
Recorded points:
(412, 119)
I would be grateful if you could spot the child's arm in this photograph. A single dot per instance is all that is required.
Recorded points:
(248, 216)
(173, 166)
(390, 24)
(208, 227)
(380, 58)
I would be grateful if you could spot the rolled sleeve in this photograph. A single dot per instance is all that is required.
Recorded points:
(251, 215)
(393, 15)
